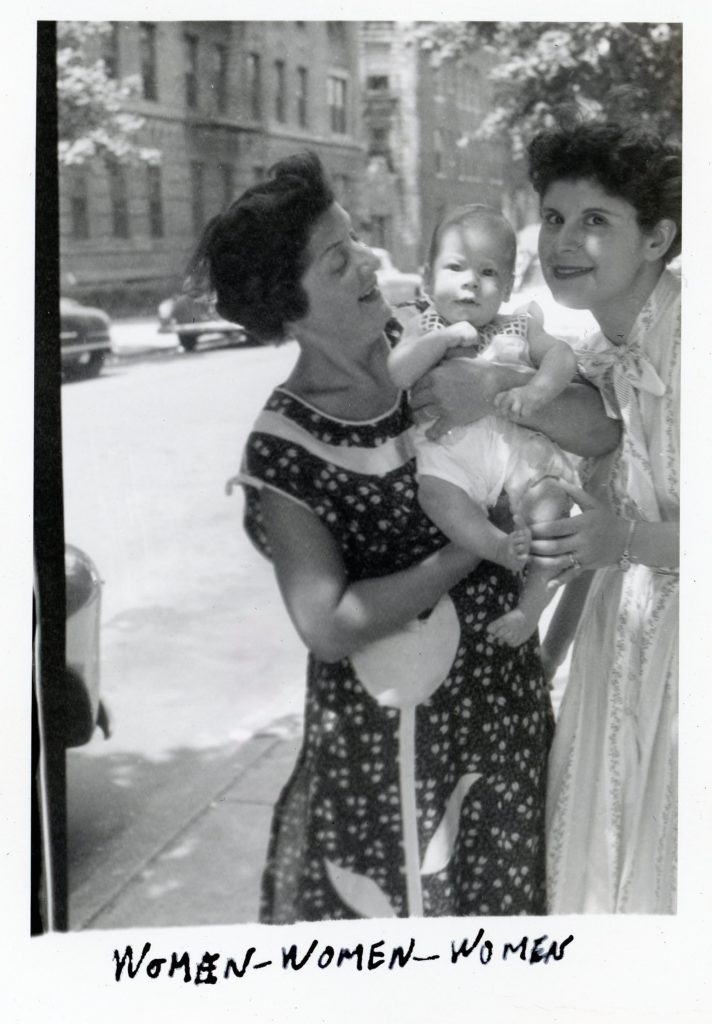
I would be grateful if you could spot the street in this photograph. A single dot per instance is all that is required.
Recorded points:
(198, 654)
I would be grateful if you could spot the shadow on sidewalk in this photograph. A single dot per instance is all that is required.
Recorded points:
(179, 841)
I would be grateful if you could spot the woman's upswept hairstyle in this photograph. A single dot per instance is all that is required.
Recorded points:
(634, 164)
(253, 255)
(472, 213)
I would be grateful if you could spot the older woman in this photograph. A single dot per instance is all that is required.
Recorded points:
(610, 205)
(419, 788)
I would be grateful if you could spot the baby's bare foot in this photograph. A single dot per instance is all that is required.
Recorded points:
(513, 628)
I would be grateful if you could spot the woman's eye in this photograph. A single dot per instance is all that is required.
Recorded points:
(551, 218)
(489, 272)
(453, 266)
(596, 220)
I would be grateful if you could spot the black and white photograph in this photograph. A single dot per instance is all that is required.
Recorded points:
(309, 706)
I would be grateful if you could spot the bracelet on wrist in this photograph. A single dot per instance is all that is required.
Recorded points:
(626, 559)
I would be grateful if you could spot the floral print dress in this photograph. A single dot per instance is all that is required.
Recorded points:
(612, 806)
(420, 785)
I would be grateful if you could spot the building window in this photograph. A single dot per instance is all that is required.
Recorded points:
(197, 195)
(342, 188)
(111, 51)
(79, 207)
(379, 232)
(155, 201)
(280, 89)
(303, 97)
(118, 195)
(190, 44)
(147, 49)
(228, 183)
(380, 141)
(439, 151)
(377, 83)
(219, 82)
(254, 84)
(337, 104)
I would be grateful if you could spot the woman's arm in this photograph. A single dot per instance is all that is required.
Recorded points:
(464, 391)
(332, 616)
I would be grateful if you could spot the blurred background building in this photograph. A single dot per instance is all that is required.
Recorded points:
(222, 101)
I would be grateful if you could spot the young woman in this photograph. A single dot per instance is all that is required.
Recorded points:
(610, 208)
(420, 785)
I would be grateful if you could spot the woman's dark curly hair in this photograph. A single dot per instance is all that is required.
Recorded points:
(632, 163)
(253, 255)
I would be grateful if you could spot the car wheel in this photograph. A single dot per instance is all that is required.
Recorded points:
(91, 368)
(188, 342)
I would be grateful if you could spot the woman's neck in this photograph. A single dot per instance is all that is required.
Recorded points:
(341, 384)
(616, 320)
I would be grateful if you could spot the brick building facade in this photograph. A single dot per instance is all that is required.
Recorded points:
(421, 122)
(221, 102)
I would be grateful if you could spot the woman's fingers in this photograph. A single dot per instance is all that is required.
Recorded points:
(555, 528)
(582, 498)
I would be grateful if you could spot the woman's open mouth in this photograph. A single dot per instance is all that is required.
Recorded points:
(569, 273)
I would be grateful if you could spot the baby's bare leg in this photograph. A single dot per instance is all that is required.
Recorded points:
(542, 502)
(466, 524)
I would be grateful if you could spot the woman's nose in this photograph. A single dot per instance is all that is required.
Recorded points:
(569, 238)
(369, 260)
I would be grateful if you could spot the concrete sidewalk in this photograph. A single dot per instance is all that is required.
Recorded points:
(208, 872)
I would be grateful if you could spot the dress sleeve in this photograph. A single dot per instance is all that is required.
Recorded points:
(282, 465)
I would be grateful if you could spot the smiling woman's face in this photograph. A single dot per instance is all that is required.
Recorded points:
(594, 254)
(340, 283)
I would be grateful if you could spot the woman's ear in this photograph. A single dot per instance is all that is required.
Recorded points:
(660, 238)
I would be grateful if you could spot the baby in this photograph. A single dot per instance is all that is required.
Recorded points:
(469, 275)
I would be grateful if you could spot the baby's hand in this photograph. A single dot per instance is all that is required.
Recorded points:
(519, 402)
(461, 335)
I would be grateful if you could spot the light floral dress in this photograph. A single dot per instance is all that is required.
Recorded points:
(612, 797)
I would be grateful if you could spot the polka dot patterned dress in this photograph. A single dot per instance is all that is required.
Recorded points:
(420, 785)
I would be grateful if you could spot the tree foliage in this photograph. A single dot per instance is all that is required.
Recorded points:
(549, 72)
(92, 118)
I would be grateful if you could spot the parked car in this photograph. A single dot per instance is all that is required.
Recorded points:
(85, 338)
(395, 285)
(66, 711)
(194, 317)
(84, 709)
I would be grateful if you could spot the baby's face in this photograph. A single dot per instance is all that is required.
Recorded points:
(472, 274)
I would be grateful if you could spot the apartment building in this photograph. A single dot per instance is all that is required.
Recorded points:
(221, 102)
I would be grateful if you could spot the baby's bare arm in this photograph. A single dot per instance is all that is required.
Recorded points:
(417, 353)
(556, 366)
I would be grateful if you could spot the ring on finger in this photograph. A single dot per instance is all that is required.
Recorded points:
(575, 564)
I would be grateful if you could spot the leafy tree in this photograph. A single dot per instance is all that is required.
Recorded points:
(547, 72)
(92, 118)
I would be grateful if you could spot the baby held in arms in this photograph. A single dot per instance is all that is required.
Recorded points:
(461, 475)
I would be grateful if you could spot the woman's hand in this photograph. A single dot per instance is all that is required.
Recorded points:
(591, 540)
(456, 392)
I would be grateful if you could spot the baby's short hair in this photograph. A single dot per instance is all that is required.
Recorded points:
(474, 213)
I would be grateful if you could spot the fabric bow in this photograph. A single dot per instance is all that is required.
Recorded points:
(625, 368)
